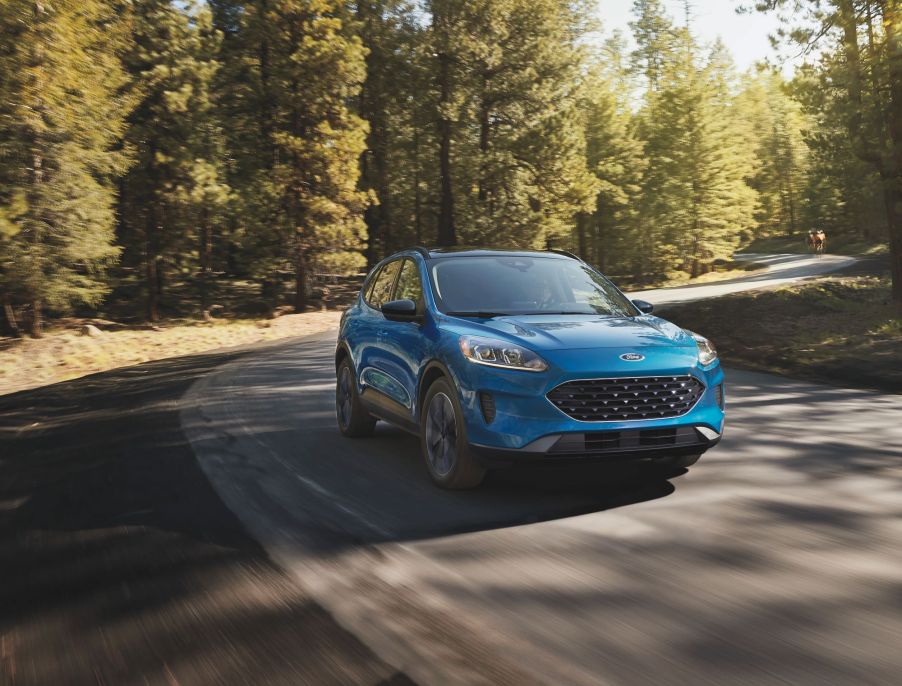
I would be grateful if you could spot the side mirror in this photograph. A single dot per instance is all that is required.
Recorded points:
(644, 307)
(400, 310)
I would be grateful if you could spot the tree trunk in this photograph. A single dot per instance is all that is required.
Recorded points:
(206, 260)
(300, 275)
(12, 325)
(484, 113)
(161, 275)
(581, 235)
(417, 199)
(893, 200)
(150, 264)
(447, 234)
(36, 325)
(266, 113)
(792, 206)
(892, 181)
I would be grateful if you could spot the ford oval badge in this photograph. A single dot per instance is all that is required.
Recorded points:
(632, 357)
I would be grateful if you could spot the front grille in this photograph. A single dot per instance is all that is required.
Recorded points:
(650, 397)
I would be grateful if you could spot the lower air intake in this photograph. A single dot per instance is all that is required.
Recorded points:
(487, 404)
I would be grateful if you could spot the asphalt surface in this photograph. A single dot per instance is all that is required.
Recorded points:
(201, 521)
(119, 564)
(776, 559)
(780, 271)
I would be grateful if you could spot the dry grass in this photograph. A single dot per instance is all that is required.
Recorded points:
(840, 330)
(65, 354)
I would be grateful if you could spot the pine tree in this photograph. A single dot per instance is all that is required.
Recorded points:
(696, 188)
(392, 102)
(506, 77)
(775, 128)
(61, 121)
(615, 156)
(842, 193)
(174, 195)
(862, 45)
(303, 67)
(654, 35)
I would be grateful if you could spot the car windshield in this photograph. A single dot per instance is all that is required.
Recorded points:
(504, 285)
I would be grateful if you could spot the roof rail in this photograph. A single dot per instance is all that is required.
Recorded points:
(420, 249)
(566, 253)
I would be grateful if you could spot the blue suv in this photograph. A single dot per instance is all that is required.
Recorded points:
(493, 357)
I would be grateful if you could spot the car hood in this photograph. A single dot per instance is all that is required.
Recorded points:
(555, 332)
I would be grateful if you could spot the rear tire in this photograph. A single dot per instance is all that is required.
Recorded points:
(443, 440)
(353, 420)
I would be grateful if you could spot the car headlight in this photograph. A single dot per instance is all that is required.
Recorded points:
(495, 353)
(707, 353)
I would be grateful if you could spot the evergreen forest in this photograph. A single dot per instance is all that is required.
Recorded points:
(149, 147)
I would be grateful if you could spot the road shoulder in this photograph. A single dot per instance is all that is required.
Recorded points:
(837, 330)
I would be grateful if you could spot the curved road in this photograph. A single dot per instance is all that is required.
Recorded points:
(775, 560)
(780, 270)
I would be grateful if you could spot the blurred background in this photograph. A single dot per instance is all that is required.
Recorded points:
(224, 162)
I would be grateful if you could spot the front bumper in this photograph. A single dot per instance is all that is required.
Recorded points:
(606, 446)
(527, 426)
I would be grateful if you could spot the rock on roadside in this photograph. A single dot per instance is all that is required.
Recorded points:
(91, 330)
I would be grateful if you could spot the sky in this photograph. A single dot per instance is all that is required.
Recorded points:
(746, 35)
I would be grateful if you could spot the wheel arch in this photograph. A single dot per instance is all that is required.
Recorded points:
(342, 352)
(433, 371)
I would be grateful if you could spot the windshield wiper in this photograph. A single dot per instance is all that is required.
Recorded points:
(478, 313)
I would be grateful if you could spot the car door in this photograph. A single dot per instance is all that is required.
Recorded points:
(381, 390)
(402, 343)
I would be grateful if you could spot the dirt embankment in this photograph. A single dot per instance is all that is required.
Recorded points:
(842, 331)
(70, 353)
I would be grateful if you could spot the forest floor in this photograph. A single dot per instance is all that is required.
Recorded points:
(724, 274)
(65, 353)
(839, 330)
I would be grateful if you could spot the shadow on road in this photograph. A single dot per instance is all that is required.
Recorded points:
(266, 432)
(122, 565)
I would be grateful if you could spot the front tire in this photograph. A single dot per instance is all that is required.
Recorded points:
(443, 440)
(353, 420)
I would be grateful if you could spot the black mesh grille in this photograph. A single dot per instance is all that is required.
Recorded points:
(650, 397)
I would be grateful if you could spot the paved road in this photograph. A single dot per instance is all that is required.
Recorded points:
(775, 560)
(780, 270)
(120, 565)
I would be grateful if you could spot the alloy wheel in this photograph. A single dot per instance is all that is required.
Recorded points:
(344, 397)
(441, 434)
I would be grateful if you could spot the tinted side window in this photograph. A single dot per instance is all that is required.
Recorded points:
(409, 285)
(382, 285)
